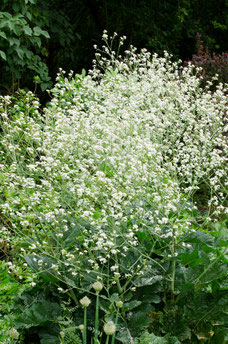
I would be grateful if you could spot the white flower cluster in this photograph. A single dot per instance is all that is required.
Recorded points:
(125, 145)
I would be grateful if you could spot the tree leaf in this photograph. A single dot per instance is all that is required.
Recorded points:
(3, 35)
(3, 55)
(39, 32)
(14, 41)
(27, 30)
(28, 15)
(20, 52)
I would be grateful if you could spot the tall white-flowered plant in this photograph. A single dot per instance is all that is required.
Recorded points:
(126, 143)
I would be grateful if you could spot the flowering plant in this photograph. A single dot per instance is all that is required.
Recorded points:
(101, 186)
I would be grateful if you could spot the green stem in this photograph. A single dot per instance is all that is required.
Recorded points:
(84, 329)
(107, 340)
(116, 321)
(172, 285)
(96, 319)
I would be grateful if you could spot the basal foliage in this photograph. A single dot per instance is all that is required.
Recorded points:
(101, 185)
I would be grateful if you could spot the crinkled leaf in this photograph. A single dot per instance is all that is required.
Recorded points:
(139, 319)
(143, 281)
(192, 259)
(184, 334)
(199, 237)
(124, 335)
(150, 338)
(49, 334)
(149, 294)
(39, 314)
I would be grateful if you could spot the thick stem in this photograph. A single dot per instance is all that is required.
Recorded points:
(172, 285)
(96, 320)
(116, 321)
(85, 325)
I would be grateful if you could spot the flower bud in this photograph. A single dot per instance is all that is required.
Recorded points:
(62, 334)
(97, 286)
(109, 328)
(81, 327)
(119, 304)
(85, 301)
(13, 333)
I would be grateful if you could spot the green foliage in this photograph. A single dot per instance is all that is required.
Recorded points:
(198, 309)
(42, 36)
(22, 34)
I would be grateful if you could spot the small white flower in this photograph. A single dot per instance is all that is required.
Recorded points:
(114, 267)
(60, 235)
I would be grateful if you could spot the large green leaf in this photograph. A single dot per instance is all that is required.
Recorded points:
(192, 259)
(150, 338)
(39, 314)
(139, 319)
(199, 237)
(49, 334)
(124, 335)
(149, 294)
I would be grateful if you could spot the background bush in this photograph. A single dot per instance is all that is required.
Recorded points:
(42, 36)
